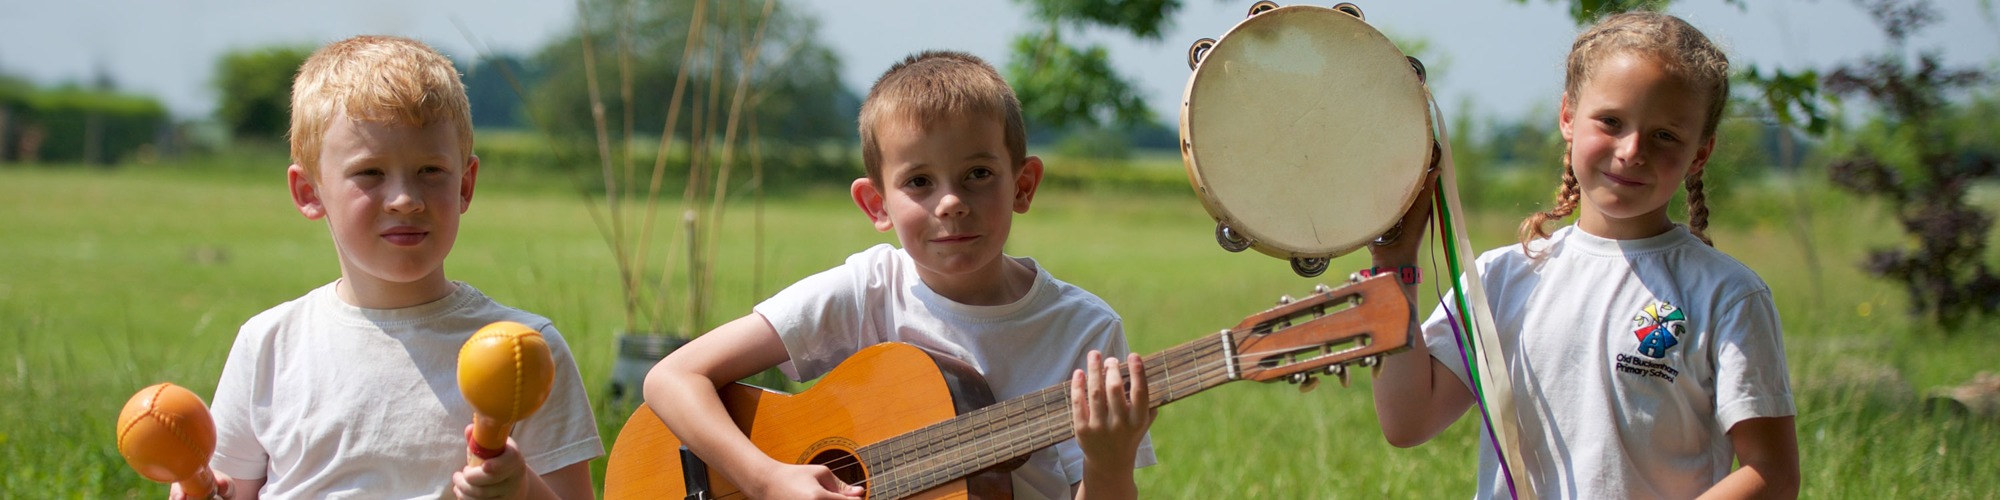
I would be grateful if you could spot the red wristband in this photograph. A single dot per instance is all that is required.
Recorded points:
(1409, 275)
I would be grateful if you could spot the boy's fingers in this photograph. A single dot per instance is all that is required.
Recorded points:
(1079, 405)
(1114, 394)
(833, 486)
(1094, 387)
(1142, 394)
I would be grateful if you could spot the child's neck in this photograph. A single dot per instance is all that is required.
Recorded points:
(1636, 228)
(377, 294)
(1008, 281)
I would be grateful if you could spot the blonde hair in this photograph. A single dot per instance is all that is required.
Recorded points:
(934, 86)
(1680, 49)
(375, 79)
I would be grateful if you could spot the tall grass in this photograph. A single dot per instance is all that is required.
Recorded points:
(112, 280)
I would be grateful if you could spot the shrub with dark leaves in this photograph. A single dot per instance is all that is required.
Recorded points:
(1941, 266)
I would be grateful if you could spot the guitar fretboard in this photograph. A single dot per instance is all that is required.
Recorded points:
(983, 438)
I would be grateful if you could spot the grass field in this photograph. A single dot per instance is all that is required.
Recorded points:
(113, 280)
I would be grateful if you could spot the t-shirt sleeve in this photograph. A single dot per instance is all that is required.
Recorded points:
(821, 319)
(1751, 379)
(564, 430)
(1441, 328)
(245, 375)
(1441, 338)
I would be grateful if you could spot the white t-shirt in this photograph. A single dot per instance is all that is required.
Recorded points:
(326, 400)
(1638, 356)
(1031, 344)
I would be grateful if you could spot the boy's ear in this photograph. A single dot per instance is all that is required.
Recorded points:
(869, 200)
(1563, 116)
(465, 183)
(1025, 183)
(305, 192)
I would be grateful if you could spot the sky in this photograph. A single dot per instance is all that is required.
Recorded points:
(1496, 58)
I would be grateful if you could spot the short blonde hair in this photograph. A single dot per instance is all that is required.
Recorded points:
(375, 79)
(933, 86)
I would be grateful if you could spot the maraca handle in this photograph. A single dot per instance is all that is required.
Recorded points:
(202, 485)
(486, 439)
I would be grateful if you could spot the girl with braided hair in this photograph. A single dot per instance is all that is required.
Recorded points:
(1645, 363)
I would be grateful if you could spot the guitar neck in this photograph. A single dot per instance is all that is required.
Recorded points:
(989, 436)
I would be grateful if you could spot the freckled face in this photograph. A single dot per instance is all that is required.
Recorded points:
(1635, 134)
(392, 195)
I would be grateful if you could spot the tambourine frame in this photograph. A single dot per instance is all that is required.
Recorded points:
(1388, 113)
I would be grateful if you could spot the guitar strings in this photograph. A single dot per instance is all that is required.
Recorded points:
(927, 467)
(1207, 365)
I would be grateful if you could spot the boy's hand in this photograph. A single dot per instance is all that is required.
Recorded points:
(1109, 420)
(222, 488)
(802, 481)
(499, 477)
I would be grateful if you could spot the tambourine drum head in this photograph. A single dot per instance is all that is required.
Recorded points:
(1305, 131)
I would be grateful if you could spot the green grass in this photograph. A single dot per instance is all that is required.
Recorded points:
(113, 280)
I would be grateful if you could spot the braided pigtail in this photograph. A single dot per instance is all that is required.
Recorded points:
(1566, 201)
(1697, 208)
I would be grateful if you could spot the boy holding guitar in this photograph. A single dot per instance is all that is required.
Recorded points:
(945, 151)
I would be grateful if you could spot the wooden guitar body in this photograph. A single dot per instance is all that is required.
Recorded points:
(880, 392)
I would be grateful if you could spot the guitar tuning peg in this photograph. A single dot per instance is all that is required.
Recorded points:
(1375, 371)
(1353, 278)
(1369, 361)
(1339, 371)
(1309, 384)
(1321, 288)
(1285, 299)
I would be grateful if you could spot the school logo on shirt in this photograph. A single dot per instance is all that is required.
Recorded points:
(1659, 327)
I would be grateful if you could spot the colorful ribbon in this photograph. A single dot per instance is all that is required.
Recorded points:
(1478, 341)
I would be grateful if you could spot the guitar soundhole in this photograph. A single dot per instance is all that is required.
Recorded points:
(844, 466)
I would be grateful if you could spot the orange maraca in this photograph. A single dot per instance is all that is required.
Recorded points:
(504, 371)
(166, 435)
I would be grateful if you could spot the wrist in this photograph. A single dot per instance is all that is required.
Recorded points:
(1110, 467)
(1405, 274)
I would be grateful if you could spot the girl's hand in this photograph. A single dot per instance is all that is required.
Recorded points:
(1399, 246)
(1109, 420)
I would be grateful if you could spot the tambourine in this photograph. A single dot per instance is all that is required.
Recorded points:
(1306, 133)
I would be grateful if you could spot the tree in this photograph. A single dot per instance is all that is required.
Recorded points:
(256, 89)
(1909, 157)
(1062, 85)
(1585, 12)
(799, 98)
(490, 88)
(709, 89)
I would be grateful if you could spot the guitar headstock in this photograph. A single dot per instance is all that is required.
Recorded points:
(1324, 332)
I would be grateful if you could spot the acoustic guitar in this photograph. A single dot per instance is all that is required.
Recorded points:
(907, 423)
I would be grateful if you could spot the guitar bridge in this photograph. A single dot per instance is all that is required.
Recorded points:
(694, 473)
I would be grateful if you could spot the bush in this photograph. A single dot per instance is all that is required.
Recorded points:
(72, 124)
